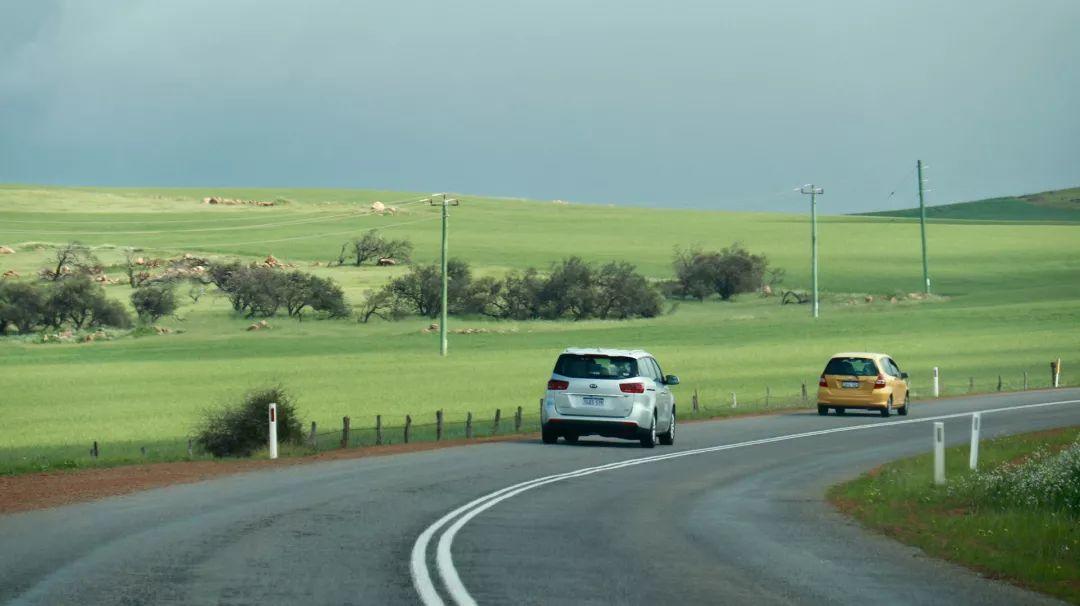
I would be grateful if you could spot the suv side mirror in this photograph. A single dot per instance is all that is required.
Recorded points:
(671, 380)
(903, 375)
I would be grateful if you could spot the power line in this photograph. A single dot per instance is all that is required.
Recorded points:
(144, 221)
(205, 229)
(304, 237)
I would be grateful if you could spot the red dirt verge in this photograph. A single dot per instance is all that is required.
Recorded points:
(54, 488)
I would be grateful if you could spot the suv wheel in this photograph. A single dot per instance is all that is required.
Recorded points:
(668, 437)
(571, 438)
(822, 410)
(887, 411)
(649, 439)
(907, 405)
(548, 436)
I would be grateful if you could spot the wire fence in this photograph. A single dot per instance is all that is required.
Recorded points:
(693, 404)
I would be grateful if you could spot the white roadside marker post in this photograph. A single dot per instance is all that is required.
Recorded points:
(939, 453)
(273, 431)
(734, 400)
(937, 384)
(976, 423)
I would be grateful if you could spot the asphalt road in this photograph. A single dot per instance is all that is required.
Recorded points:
(742, 521)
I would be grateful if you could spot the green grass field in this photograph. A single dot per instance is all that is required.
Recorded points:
(1032, 547)
(1056, 206)
(1008, 303)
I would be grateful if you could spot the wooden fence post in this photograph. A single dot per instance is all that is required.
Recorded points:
(142, 451)
(468, 426)
(517, 420)
(408, 427)
(313, 437)
(694, 401)
(971, 384)
(768, 393)
(378, 430)
(495, 426)
(803, 392)
(94, 450)
(1025, 381)
(190, 450)
(999, 383)
(438, 425)
(344, 432)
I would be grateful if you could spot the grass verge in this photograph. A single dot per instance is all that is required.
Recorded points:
(1029, 541)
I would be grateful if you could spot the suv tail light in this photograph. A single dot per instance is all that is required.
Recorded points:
(632, 387)
(880, 383)
(821, 382)
(557, 385)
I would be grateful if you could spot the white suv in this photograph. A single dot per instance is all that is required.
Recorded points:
(609, 392)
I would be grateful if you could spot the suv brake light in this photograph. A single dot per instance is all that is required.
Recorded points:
(632, 387)
(557, 385)
(822, 382)
(880, 383)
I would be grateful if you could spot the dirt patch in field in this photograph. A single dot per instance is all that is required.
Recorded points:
(55, 488)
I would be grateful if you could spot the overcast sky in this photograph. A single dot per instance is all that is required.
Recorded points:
(685, 103)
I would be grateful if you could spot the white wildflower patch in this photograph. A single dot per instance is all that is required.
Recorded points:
(1044, 480)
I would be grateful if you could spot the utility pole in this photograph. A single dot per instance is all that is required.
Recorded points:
(446, 203)
(814, 192)
(922, 226)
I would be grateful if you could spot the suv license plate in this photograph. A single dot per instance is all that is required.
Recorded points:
(850, 384)
(592, 401)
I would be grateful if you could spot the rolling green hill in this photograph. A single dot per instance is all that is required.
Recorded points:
(1005, 302)
(1061, 205)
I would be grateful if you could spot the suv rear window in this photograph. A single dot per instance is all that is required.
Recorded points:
(859, 367)
(578, 366)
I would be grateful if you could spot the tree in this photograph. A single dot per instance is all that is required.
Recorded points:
(569, 291)
(22, 304)
(373, 246)
(420, 290)
(728, 272)
(154, 302)
(738, 271)
(519, 295)
(624, 293)
(83, 303)
(73, 257)
(109, 312)
(380, 303)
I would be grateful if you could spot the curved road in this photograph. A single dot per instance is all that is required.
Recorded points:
(733, 513)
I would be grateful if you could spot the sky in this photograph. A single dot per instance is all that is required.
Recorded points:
(704, 104)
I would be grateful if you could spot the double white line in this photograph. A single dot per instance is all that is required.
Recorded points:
(418, 567)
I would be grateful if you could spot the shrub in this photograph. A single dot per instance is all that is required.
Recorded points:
(154, 302)
(241, 429)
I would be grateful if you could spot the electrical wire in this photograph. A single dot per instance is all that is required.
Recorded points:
(210, 229)
(304, 237)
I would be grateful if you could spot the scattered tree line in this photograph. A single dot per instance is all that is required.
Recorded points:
(75, 301)
(573, 289)
(260, 290)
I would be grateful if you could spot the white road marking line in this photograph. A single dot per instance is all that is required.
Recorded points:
(429, 595)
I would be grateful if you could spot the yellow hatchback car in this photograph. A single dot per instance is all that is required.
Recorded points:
(863, 381)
